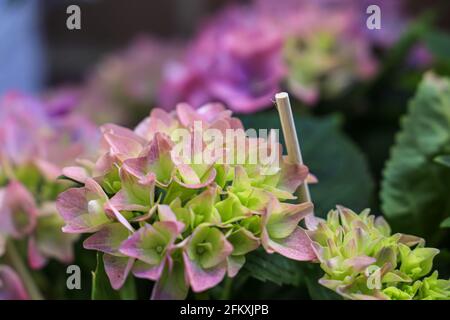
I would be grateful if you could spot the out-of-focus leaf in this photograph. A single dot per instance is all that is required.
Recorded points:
(312, 274)
(438, 42)
(415, 189)
(338, 164)
(273, 268)
(444, 160)
(446, 223)
(101, 287)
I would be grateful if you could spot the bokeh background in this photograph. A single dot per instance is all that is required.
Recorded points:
(50, 54)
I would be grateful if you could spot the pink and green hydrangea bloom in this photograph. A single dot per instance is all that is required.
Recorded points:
(363, 260)
(183, 225)
(31, 137)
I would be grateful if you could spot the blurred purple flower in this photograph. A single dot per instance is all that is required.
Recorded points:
(33, 133)
(11, 287)
(126, 80)
(236, 59)
(242, 55)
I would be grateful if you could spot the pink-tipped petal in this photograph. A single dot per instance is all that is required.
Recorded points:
(234, 264)
(18, 212)
(297, 246)
(203, 279)
(147, 271)
(78, 174)
(12, 287)
(108, 239)
(35, 259)
(117, 269)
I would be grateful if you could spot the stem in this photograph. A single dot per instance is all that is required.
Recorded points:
(291, 140)
(168, 194)
(227, 289)
(14, 258)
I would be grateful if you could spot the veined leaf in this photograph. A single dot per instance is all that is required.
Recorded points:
(444, 160)
(273, 268)
(415, 189)
(446, 223)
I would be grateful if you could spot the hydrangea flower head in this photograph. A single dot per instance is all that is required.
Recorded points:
(362, 259)
(31, 137)
(184, 224)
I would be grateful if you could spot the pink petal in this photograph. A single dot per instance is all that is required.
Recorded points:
(15, 199)
(119, 217)
(48, 170)
(360, 263)
(203, 279)
(312, 222)
(108, 239)
(186, 114)
(71, 203)
(121, 201)
(12, 287)
(117, 269)
(292, 176)
(234, 264)
(79, 174)
(147, 271)
(122, 142)
(297, 246)
(35, 259)
(194, 181)
(283, 218)
(165, 213)
(172, 285)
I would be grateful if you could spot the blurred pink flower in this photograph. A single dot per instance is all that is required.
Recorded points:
(124, 84)
(236, 59)
(11, 287)
(244, 54)
(32, 133)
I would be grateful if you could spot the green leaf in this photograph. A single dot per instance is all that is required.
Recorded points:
(338, 164)
(443, 160)
(438, 42)
(445, 223)
(312, 274)
(415, 189)
(101, 287)
(272, 267)
(128, 291)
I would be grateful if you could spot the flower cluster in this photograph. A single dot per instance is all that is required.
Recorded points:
(363, 260)
(31, 138)
(182, 224)
(244, 54)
